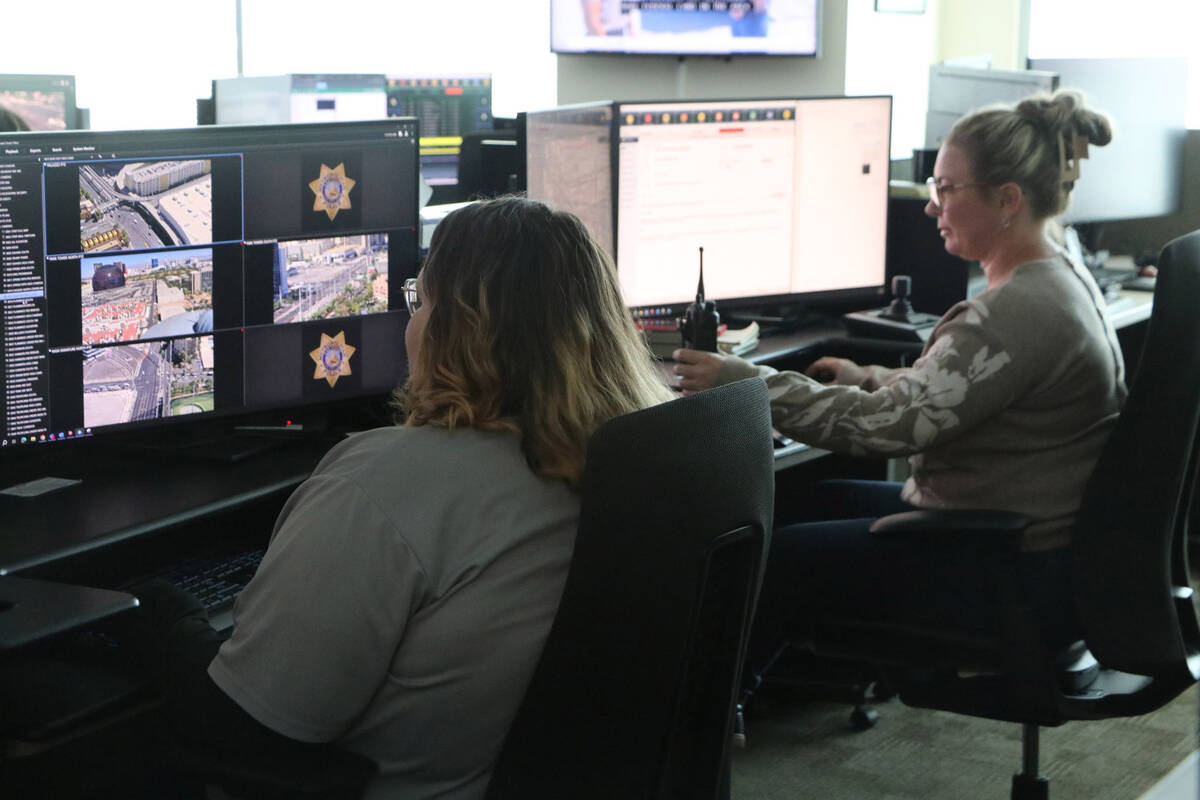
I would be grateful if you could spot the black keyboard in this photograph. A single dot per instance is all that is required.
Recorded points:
(215, 580)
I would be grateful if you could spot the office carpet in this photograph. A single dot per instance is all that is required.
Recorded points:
(800, 750)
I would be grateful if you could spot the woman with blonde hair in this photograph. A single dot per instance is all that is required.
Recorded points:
(1008, 407)
(411, 582)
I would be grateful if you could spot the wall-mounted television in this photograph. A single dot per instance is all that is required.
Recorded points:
(686, 27)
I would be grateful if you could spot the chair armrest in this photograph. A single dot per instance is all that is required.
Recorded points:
(980, 526)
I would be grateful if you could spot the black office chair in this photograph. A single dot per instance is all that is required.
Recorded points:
(635, 691)
(1139, 640)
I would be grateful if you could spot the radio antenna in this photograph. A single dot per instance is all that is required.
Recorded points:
(700, 286)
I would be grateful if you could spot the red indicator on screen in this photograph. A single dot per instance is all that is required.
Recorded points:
(731, 130)
(454, 90)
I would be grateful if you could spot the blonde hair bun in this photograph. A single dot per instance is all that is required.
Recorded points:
(1035, 143)
(1065, 112)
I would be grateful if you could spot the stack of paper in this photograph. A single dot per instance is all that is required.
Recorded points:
(737, 342)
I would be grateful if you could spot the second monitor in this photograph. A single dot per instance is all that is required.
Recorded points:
(788, 197)
(448, 107)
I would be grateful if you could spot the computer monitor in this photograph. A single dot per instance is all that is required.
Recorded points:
(449, 106)
(488, 165)
(1139, 173)
(299, 97)
(206, 107)
(953, 91)
(781, 27)
(38, 103)
(788, 197)
(152, 278)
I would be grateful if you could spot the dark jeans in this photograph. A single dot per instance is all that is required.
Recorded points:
(835, 566)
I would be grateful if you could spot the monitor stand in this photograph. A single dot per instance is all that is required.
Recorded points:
(780, 319)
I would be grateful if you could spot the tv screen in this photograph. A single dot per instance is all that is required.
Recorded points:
(37, 103)
(788, 197)
(175, 276)
(685, 27)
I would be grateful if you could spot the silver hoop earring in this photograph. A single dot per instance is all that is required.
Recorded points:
(1006, 223)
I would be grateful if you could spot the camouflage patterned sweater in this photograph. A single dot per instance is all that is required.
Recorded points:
(1008, 406)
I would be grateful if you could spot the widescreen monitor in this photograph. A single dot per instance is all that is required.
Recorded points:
(449, 106)
(38, 103)
(157, 277)
(1139, 173)
(788, 197)
(676, 27)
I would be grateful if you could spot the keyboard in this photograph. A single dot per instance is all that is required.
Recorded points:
(215, 580)
(1107, 277)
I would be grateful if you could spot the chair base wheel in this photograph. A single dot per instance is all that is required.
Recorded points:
(862, 719)
(882, 691)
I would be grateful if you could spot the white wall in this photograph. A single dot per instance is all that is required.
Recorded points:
(137, 63)
(143, 63)
(891, 54)
(984, 27)
(509, 39)
(1111, 29)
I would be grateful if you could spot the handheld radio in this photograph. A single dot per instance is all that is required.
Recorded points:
(700, 321)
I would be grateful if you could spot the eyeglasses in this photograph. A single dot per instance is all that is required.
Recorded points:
(937, 192)
(411, 299)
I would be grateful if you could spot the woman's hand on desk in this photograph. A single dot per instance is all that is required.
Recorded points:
(696, 370)
(843, 371)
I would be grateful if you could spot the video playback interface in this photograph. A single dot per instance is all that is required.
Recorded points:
(185, 273)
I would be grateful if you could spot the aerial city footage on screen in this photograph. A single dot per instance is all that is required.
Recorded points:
(154, 276)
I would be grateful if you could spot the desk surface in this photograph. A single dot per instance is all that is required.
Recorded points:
(129, 492)
(126, 493)
(1130, 307)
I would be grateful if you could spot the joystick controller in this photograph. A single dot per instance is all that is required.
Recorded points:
(901, 309)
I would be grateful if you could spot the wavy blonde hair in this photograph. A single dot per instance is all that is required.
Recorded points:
(527, 332)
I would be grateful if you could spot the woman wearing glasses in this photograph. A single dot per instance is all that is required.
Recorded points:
(1008, 406)
(409, 584)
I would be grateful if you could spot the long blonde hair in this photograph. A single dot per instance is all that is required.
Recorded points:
(527, 331)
